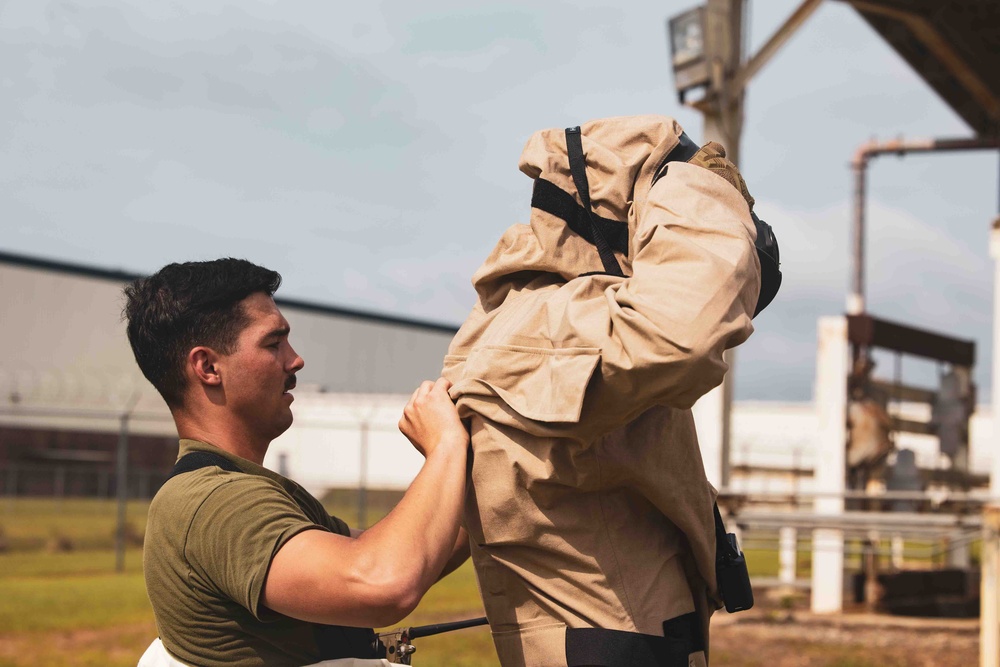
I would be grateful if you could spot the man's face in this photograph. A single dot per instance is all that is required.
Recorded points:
(258, 376)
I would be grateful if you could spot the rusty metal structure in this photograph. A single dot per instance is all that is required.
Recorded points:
(953, 46)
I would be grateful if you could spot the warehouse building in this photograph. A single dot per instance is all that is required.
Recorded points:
(70, 388)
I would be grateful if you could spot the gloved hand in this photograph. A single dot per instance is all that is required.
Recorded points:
(712, 156)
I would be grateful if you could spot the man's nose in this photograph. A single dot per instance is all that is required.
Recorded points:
(297, 363)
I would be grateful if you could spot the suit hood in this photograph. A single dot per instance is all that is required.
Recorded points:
(623, 156)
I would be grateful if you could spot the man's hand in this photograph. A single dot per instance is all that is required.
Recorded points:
(431, 419)
(712, 156)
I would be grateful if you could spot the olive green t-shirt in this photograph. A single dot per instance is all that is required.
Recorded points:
(210, 538)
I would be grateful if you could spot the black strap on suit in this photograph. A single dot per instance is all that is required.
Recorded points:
(578, 168)
(597, 647)
(605, 234)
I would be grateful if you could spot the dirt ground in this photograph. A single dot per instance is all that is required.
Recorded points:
(795, 638)
(761, 637)
(119, 646)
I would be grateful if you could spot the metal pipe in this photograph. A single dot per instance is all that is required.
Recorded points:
(872, 149)
(909, 521)
(928, 496)
(437, 628)
(856, 301)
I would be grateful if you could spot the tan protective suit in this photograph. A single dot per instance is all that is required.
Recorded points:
(588, 504)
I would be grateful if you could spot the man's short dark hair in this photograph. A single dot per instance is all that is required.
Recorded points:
(185, 305)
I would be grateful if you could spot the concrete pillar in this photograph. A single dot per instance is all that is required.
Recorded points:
(995, 253)
(959, 554)
(787, 554)
(832, 361)
(989, 619)
(898, 552)
(989, 612)
(709, 420)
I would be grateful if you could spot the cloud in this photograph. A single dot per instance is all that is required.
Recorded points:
(463, 30)
(369, 150)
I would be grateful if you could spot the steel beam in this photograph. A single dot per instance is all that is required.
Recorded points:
(777, 40)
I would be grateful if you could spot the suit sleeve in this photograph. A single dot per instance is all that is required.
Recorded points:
(582, 358)
(692, 292)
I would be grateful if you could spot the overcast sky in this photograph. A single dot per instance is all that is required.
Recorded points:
(368, 151)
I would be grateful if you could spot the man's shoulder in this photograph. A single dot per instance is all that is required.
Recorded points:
(182, 495)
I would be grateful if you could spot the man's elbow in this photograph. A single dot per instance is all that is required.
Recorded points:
(397, 600)
(705, 374)
(701, 371)
(390, 593)
(391, 607)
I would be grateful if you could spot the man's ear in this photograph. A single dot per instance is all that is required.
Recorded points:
(203, 364)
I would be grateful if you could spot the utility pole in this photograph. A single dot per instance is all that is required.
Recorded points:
(722, 110)
(722, 105)
(713, 60)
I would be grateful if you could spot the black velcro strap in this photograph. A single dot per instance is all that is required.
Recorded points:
(336, 642)
(723, 548)
(198, 460)
(578, 168)
(597, 647)
(550, 198)
(682, 152)
(686, 628)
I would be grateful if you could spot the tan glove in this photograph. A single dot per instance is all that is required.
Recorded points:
(712, 156)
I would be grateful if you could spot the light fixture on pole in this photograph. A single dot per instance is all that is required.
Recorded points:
(686, 33)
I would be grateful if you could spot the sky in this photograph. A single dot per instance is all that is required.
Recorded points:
(368, 151)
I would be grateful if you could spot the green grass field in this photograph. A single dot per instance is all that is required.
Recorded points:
(62, 604)
(31, 524)
(71, 609)
(62, 608)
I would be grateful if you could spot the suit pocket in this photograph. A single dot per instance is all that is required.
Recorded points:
(541, 384)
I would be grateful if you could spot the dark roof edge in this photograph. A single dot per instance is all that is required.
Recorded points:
(66, 267)
(126, 276)
(367, 316)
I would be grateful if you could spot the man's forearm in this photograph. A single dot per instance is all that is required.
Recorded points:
(418, 537)
(459, 554)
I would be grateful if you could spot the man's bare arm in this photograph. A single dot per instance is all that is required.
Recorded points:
(378, 578)
(459, 554)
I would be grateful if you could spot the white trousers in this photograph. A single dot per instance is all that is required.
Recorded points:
(157, 656)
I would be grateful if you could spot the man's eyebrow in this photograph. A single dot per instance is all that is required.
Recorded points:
(278, 333)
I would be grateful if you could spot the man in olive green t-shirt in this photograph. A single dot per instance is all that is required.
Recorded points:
(242, 565)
